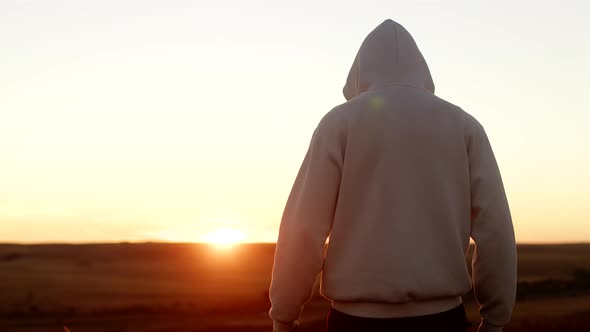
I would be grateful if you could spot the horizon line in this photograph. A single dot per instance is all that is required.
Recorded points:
(236, 244)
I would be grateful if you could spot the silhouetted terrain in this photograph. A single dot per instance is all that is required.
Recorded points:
(157, 287)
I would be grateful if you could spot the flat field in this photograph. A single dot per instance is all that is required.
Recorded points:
(162, 287)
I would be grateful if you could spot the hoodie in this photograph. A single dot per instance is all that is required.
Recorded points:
(400, 180)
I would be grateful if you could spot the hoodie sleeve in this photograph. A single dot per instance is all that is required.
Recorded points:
(494, 259)
(305, 225)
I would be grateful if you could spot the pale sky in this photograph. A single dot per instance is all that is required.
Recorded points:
(165, 120)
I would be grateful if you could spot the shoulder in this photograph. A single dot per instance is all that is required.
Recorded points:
(334, 121)
(471, 126)
(466, 118)
(474, 133)
(471, 122)
(333, 127)
(473, 130)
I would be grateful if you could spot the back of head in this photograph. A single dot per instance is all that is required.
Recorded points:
(388, 55)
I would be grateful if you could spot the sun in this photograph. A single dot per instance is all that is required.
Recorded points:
(224, 237)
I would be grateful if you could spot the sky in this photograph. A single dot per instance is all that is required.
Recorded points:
(135, 120)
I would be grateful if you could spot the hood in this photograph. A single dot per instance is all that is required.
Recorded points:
(388, 56)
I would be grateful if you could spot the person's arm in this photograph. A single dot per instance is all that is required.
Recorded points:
(494, 259)
(305, 225)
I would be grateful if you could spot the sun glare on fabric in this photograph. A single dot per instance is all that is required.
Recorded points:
(224, 237)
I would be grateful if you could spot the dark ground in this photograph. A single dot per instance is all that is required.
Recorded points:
(152, 287)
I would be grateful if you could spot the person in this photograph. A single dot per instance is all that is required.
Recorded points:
(400, 180)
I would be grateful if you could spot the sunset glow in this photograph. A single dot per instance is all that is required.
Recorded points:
(149, 120)
(224, 237)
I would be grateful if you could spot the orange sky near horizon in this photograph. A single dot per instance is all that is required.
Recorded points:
(150, 121)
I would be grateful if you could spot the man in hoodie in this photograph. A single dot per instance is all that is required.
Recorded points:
(400, 180)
